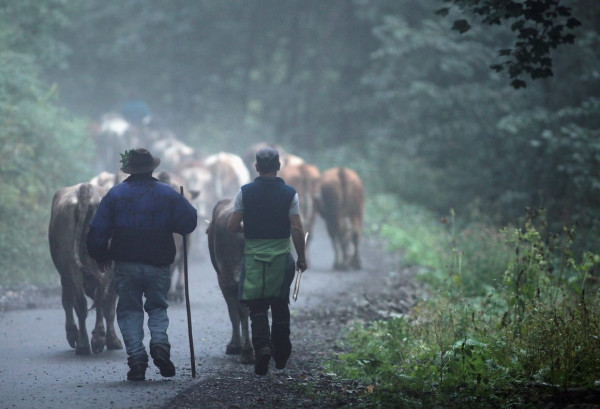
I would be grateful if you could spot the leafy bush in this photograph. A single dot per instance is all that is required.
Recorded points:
(42, 149)
(480, 346)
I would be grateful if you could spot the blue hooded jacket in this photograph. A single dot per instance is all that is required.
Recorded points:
(136, 220)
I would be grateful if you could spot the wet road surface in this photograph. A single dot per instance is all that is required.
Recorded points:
(38, 369)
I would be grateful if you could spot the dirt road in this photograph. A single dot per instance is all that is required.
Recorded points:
(39, 369)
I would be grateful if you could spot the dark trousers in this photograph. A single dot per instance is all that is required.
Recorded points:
(278, 335)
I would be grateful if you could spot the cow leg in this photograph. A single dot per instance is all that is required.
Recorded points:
(112, 340)
(176, 292)
(98, 333)
(247, 349)
(230, 294)
(67, 303)
(355, 262)
(83, 343)
(340, 255)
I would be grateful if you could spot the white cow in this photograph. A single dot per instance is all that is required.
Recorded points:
(228, 173)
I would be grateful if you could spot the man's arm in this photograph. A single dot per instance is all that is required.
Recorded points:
(235, 222)
(298, 239)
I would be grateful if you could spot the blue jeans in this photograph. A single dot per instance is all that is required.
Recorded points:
(134, 280)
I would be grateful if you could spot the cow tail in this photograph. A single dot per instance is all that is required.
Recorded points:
(343, 183)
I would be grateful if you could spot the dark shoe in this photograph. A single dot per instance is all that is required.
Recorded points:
(137, 372)
(162, 360)
(261, 362)
(280, 362)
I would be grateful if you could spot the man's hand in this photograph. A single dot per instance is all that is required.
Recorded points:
(301, 264)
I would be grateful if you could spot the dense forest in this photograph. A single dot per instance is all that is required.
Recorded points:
(420, 109)
(388, 86)
(485, 110)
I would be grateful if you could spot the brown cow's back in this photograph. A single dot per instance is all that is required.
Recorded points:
(305, 178)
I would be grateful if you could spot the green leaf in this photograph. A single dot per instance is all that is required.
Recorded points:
(125, 156)
(462, 26)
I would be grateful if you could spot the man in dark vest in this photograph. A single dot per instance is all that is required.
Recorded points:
(267, 212)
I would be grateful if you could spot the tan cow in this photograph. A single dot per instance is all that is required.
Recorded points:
(226, 252)
(341, 205)
(305, 179)
(72, 210)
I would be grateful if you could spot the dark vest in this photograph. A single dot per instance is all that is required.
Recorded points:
(266, 208)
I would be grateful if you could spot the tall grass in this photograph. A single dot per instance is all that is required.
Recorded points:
(513, 310)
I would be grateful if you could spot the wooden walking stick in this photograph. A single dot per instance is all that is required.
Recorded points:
(187, 300)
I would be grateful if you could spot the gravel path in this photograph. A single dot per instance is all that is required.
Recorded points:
(380, 291)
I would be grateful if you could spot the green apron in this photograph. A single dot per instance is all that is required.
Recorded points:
(267, 270)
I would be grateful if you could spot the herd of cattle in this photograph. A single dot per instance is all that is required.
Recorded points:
(210, 183)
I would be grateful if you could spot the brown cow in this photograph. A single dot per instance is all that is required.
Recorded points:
(72, 210)
(305, 179)
(341, 205)
(226, 252)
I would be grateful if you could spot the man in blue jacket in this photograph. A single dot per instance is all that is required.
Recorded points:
(134, 227)
(270, 213)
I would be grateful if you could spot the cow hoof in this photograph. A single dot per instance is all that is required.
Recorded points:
(98, 340)
(96, 349)
(113, 344)
(247, 357)
(233, 350)
(98, 344)
(72, 335)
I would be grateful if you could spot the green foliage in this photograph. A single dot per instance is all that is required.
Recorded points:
(539, 28)
(478, 348)
(385, 86)
(473, 255)
(409, 229)
(42, 149)
(29, 27)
